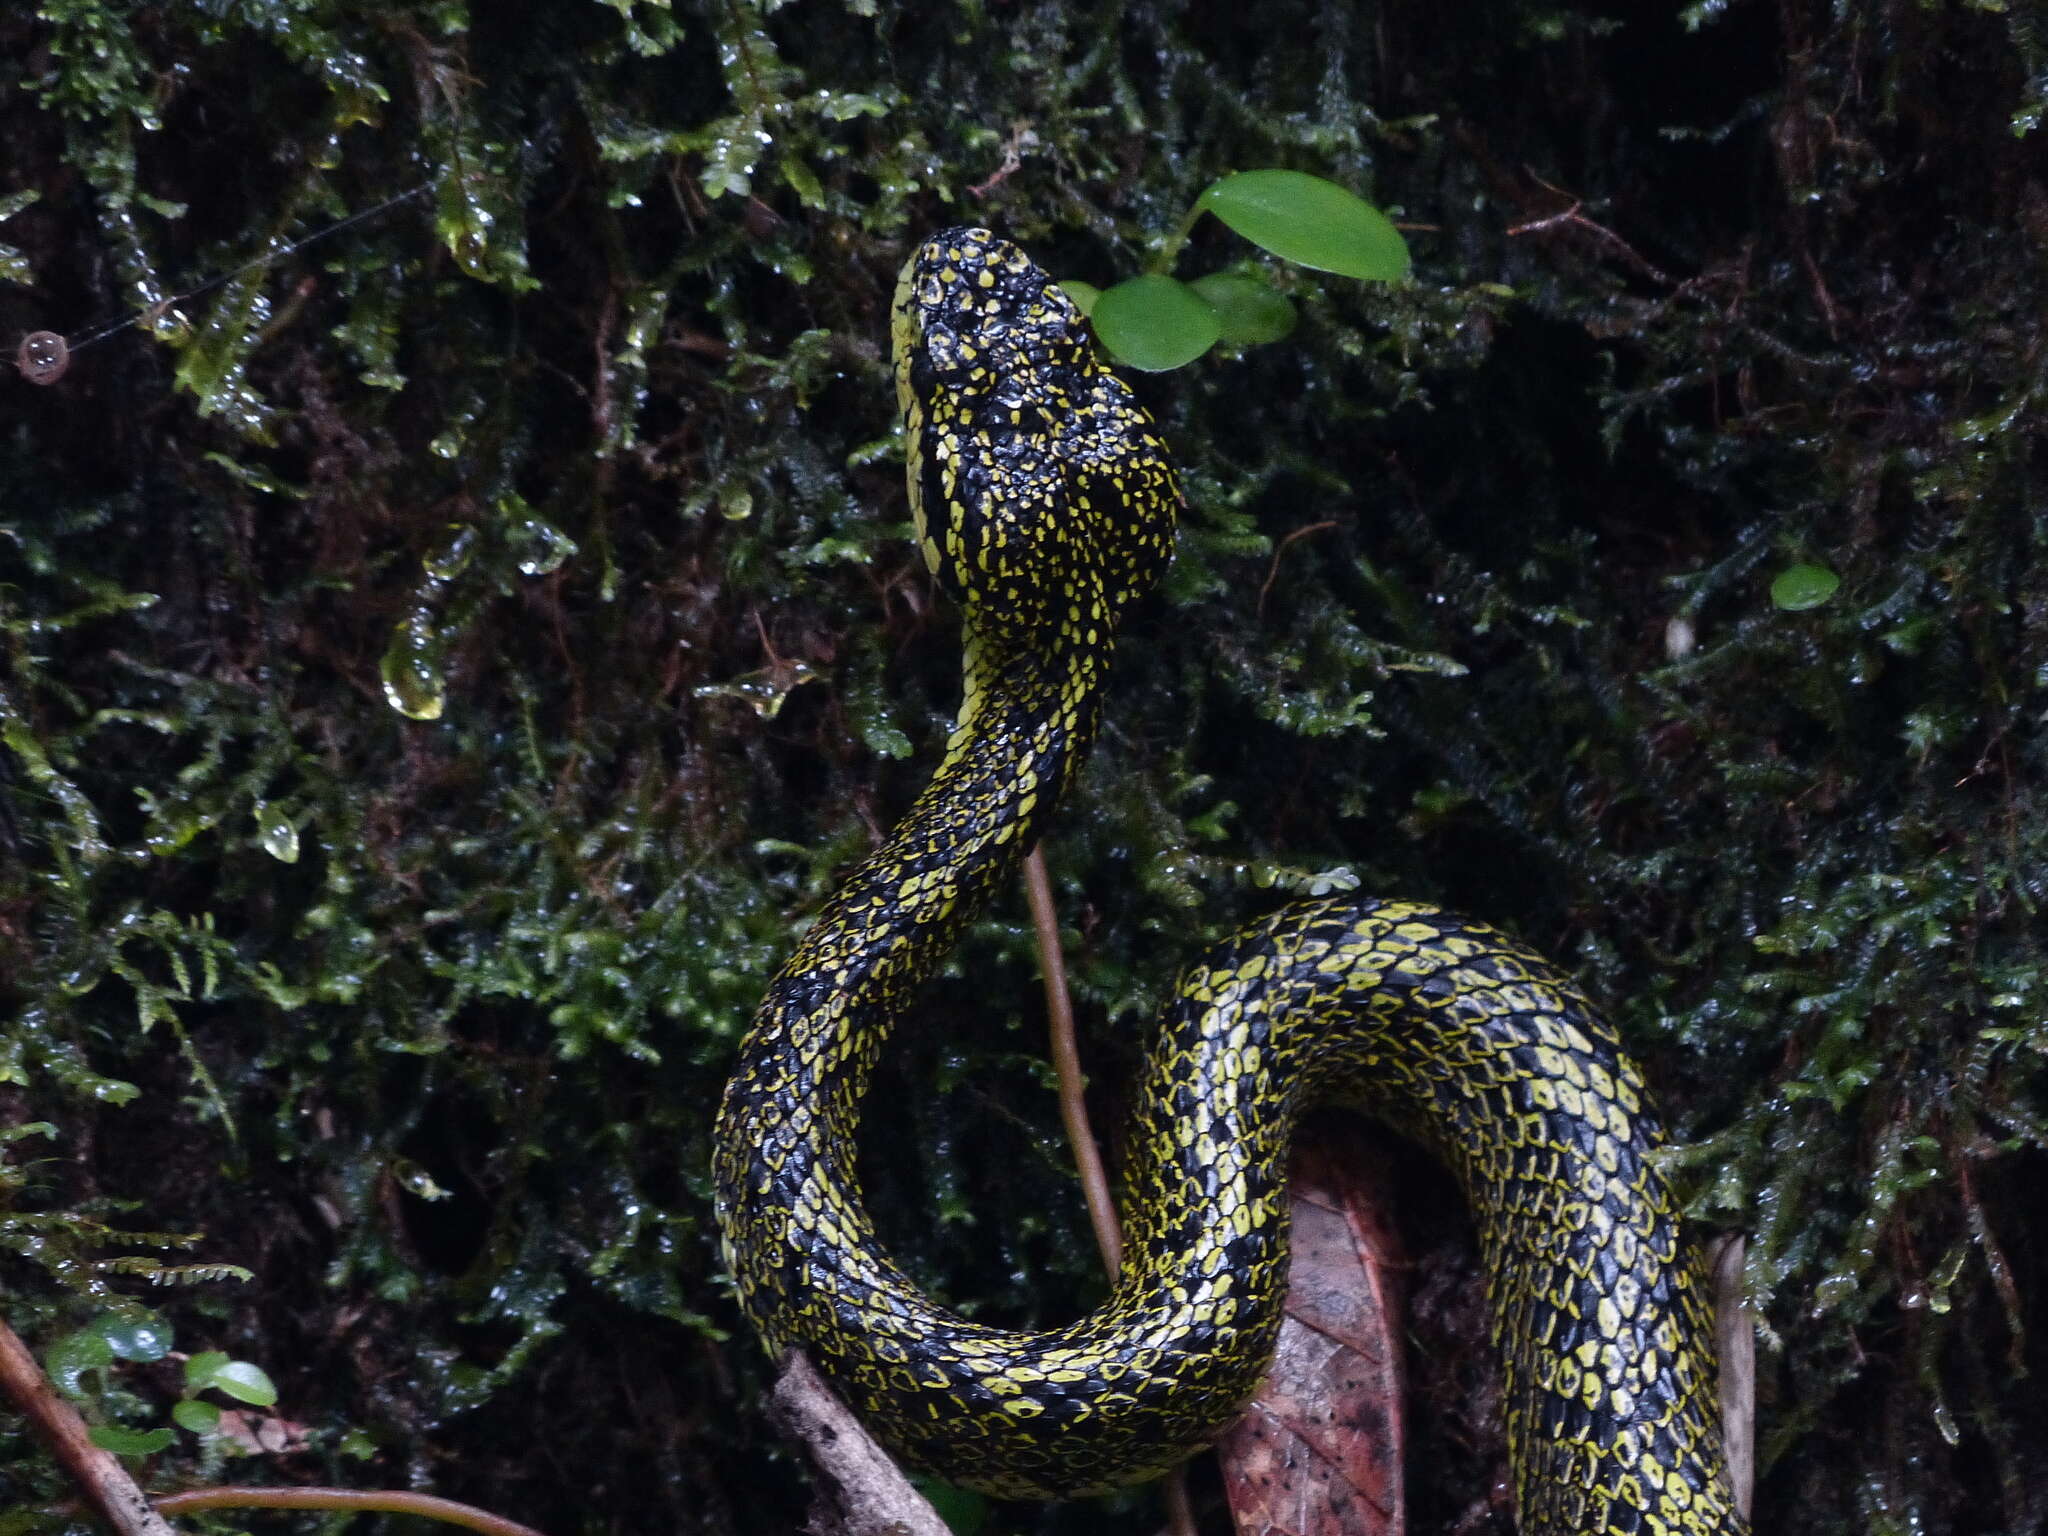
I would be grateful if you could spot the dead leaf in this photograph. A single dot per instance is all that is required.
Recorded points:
(262, 1434)
(1319, 1451)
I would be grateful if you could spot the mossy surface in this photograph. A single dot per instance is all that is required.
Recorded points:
(443, 663)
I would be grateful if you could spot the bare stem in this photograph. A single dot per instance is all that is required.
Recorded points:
(1066, 1058)
(392, 1501)
(1735, 1334)
(104, 1482)
(858, 1489)
(1066, 1061)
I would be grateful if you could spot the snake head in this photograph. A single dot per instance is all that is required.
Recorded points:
(1041, 491)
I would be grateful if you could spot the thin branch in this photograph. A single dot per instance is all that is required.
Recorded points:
(860, 1491)
(1572, 218)
(393, 1501)
(1066, 1057)
(102, 1479)
(1066, 1061)
(1273, 571)
(1735, 1337)
(1180, 1509)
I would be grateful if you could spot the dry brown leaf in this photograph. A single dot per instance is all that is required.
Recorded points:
(1319, 1451)
(262, 1434)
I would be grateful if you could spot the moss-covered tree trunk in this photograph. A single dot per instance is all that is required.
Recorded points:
(445, 658)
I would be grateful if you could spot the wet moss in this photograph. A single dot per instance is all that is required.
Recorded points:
(444, 661)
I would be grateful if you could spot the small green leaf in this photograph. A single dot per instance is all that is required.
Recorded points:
(1308, 220)
(245, 1383)
(129, 1442)
(1804, 586)
(145, 1338)
(72, 1356)
(1083, 294)
(1155, 323)
(885, 740)
(1251, 313)
(803, 181)
(199, 1369)
(200, 1418)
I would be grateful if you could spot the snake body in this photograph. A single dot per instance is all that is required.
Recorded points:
(1044, 502)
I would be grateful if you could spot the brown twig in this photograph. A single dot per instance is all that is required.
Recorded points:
(1572, 218)
(102, 1479)
(395, 1501)
(1066, 1058)
(1735, 1338)
(1066, 1061)
(1180, 1509)
(1273, 571)
(860, 1490)
(1013, 159)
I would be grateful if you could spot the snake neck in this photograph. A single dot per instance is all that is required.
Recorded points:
(1026, 718)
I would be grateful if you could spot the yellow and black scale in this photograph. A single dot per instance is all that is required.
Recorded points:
(1044, 502)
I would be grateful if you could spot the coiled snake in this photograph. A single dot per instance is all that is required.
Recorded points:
(1044, 503)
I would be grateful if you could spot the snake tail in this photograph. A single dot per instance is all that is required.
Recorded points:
(1043, 500)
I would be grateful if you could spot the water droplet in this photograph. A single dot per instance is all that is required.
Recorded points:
(1945, 1422)
(1679, 637)
(763, 691)
(274, 830)
(453, 557)
(415, 1180)
(42, 357)
(413, 684)
(547, 547)
(172, 326)
(1831, 1292)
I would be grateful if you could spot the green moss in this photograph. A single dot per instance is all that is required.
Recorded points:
(588, 443)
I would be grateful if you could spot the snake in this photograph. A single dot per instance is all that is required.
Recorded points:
(1043, 500)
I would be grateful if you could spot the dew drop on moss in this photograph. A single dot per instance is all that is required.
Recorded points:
(413, 684)
(546, 547)
(280, 839)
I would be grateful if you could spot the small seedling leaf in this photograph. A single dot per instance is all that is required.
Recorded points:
(1804, 586)
(147, 1338)
(1083, 294)
(1310, 221)
(200, 1418)
(129, 1442)
(1250, 312)
(1155, 323)
(72, 1356)
(199, 1369)
(245, 1383)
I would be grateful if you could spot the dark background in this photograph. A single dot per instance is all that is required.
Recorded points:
(588, 446)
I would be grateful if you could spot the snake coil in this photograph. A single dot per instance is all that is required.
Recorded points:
(1044, 503)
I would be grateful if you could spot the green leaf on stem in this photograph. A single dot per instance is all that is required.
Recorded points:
(1250, 312)
(129, 1442)
(1309, 221)
(1155, 323)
